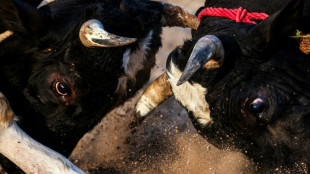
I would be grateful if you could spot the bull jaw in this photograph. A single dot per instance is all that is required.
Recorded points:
(191, 96)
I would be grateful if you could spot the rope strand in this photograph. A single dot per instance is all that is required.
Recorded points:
(238, 15)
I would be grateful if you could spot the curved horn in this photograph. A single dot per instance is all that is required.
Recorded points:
(177, 16)
(156, 93)
(92, 34)
(208, 52)
(44, 2)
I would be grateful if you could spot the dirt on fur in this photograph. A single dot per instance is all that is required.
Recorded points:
(165, 142)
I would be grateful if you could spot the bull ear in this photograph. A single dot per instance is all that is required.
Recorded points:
(21, 17)
(278, 26)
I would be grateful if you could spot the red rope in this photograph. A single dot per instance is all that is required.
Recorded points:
(238, 15)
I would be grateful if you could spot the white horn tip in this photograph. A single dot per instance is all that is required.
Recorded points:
(92, 34)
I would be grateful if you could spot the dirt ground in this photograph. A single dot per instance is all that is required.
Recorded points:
(166, 141)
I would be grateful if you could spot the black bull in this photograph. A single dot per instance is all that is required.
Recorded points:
(245, 86)
(63, 69)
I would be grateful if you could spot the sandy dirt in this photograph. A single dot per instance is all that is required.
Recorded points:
(165, 142)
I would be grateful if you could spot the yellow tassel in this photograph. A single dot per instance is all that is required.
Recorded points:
(304, 45)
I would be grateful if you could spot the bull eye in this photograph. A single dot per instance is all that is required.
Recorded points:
(62, 89)
(257, 107)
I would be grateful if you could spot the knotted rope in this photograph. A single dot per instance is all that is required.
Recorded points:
(238, 15)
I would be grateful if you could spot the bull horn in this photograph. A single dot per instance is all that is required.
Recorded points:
(177, 16)
(156, 93)
(208, 52)
(92, 34)
(44, 2)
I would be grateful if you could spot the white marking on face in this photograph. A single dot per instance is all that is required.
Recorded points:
(192, 96)
(134, 61)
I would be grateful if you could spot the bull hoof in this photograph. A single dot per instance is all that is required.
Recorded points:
(6, 113)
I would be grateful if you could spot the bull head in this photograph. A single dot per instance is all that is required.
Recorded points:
(259, 99)
(58, 80)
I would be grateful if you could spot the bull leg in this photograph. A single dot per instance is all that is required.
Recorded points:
(156, 93)
(25, 152)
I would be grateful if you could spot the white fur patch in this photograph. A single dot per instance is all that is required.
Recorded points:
(30, 155)
(134, 61)
(192, 96)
